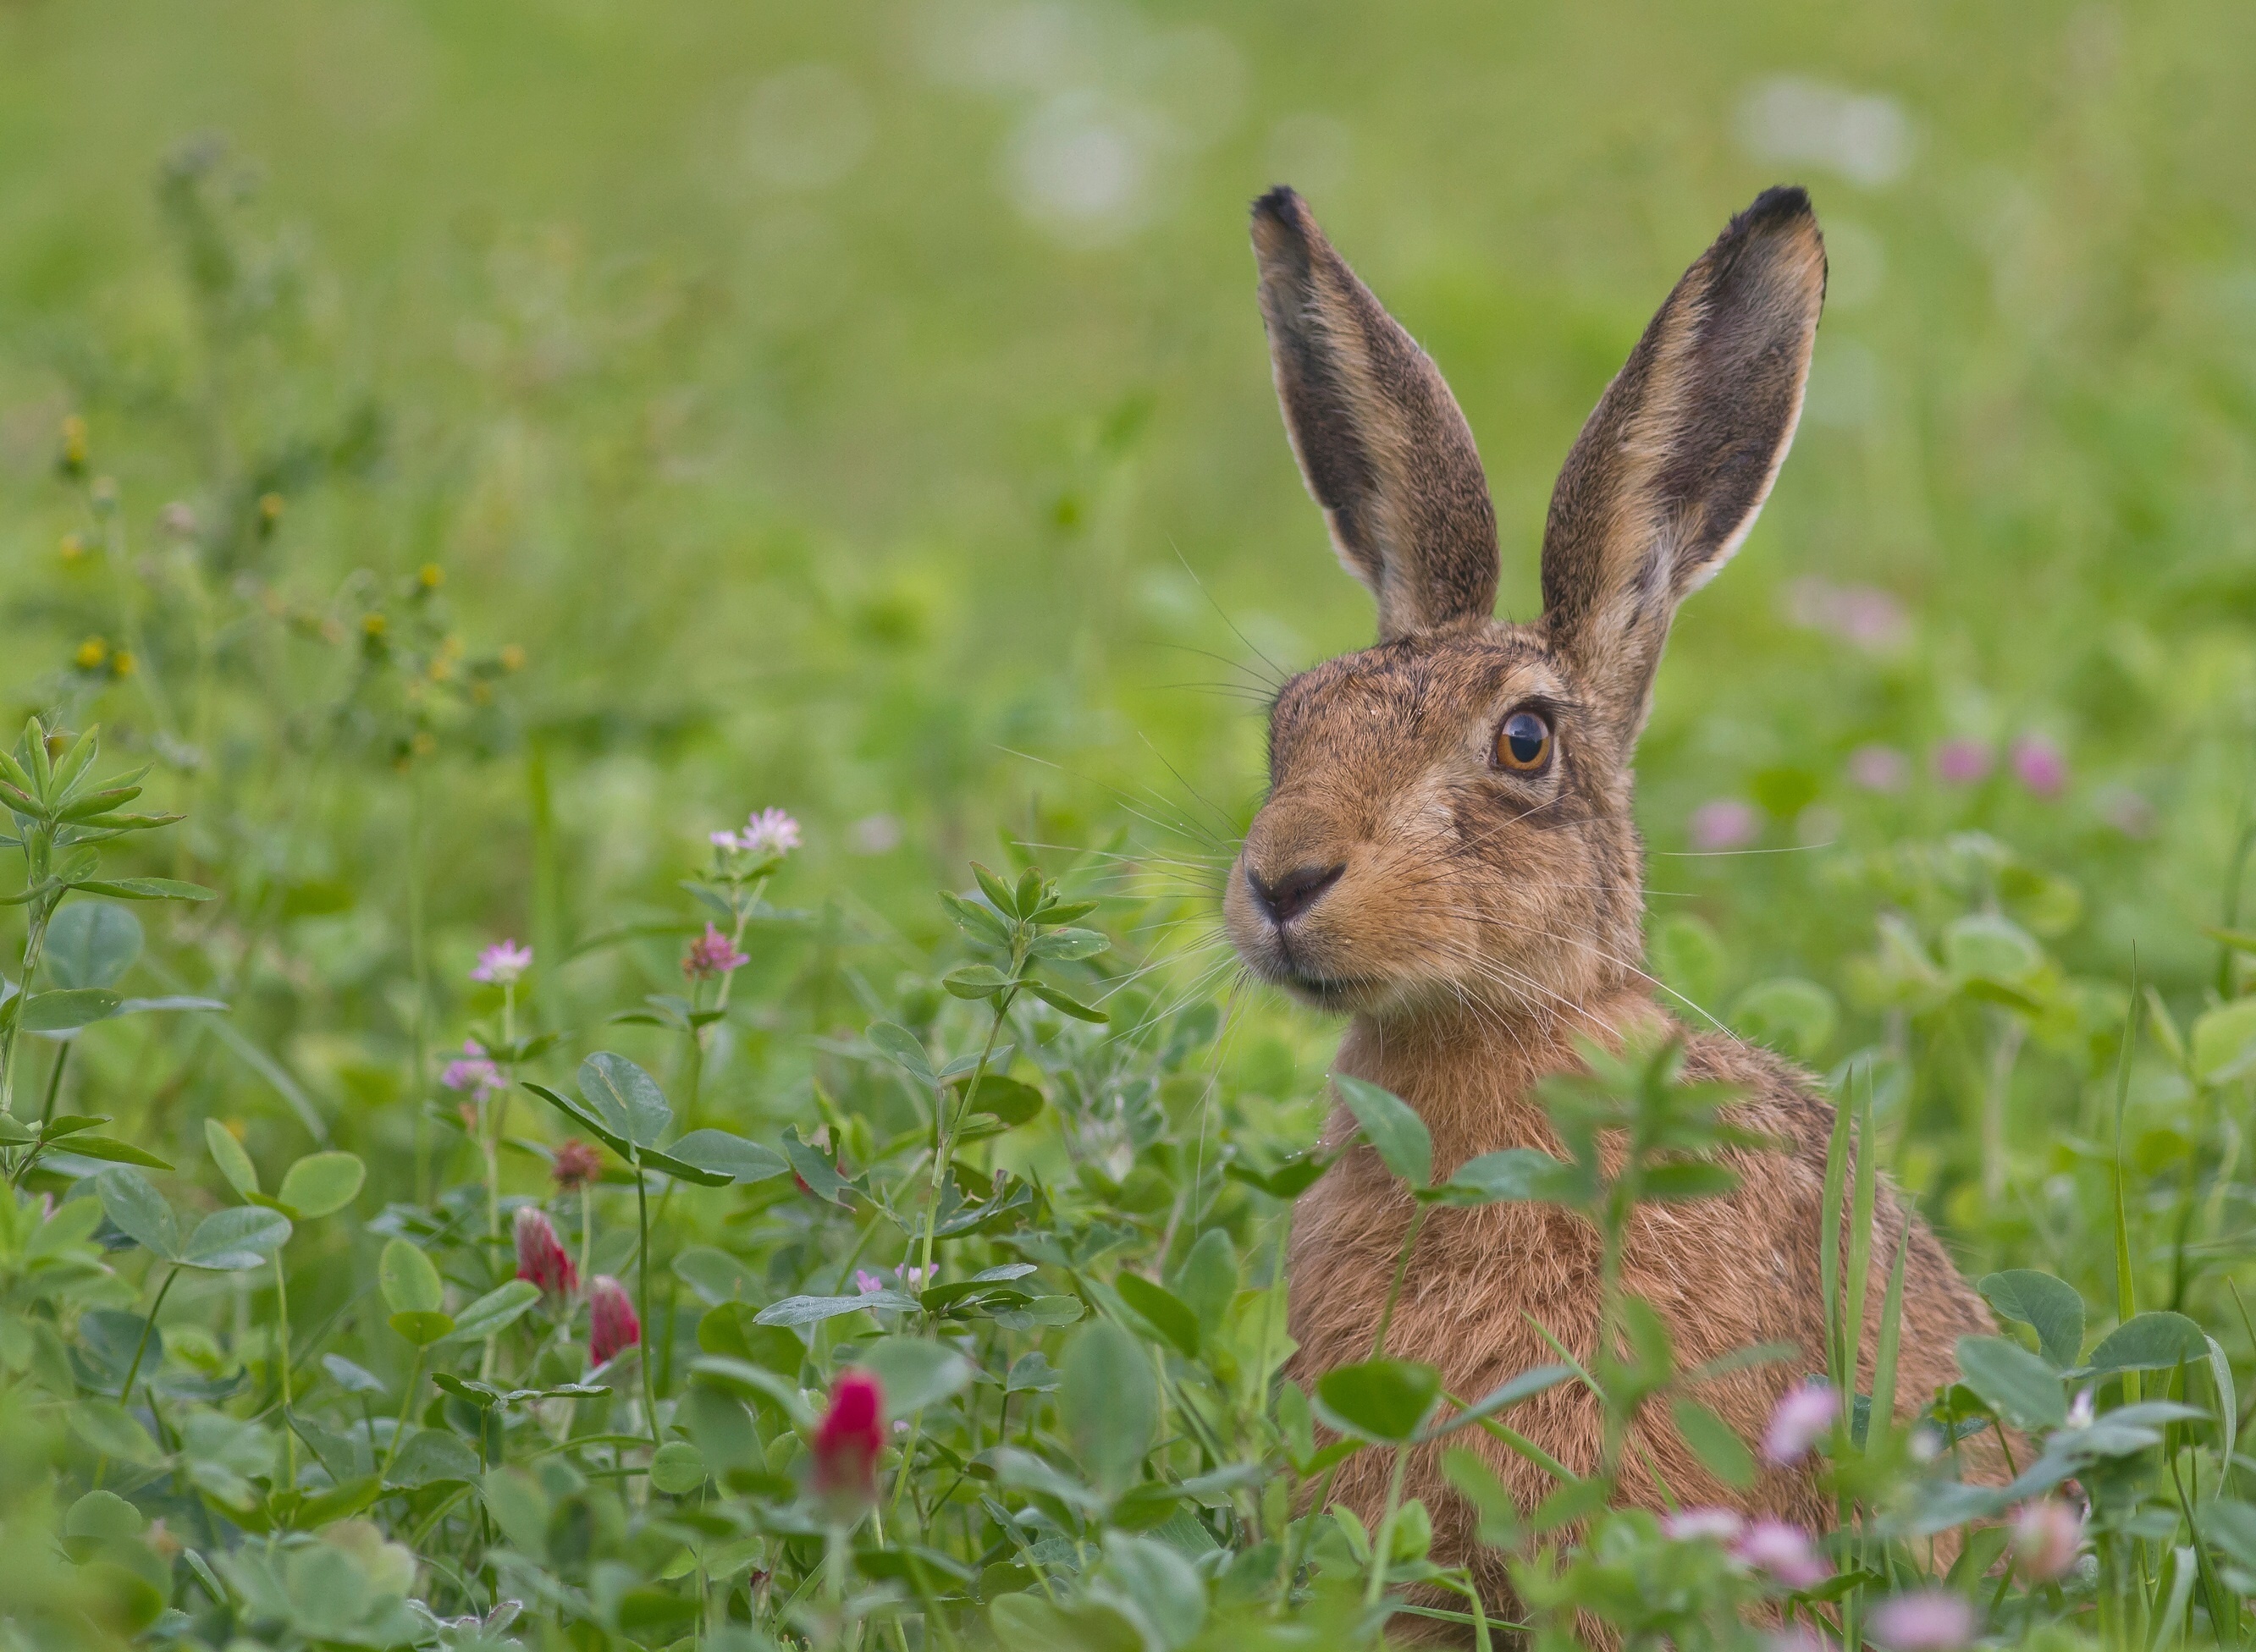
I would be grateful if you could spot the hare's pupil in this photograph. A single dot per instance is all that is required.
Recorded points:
(1525, 736)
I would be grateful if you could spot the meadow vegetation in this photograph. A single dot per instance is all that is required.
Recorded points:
(633, 645)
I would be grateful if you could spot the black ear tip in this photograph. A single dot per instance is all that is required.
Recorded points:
(1281, 205)
(1775, 208)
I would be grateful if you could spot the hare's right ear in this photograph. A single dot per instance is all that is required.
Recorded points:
(1668, 475)
(1381, 443)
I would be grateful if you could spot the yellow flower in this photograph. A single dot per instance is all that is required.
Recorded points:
(425, 742)
(73, 546)
(75, 442)
(512, 657)
(270, 508)
(431, 576)
(91, 653)
(442, 669)
(373, 625)
(121, 663)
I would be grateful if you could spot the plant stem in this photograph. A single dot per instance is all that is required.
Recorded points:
(125, 1393)
(406, 1405)
(1401, 1271)
(282, 1314)
(55, 1079)
(945, 1126)
(642, 1289)
(1382, 1541)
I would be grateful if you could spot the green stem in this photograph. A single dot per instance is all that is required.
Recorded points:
(417, 964)
(55, 1079)
(1383, 1540)
(407, 1406)
(35, 942)
(642, 1289)
(1401, 1272)
(125, 1393)
(945, 1125)
(282, 1314)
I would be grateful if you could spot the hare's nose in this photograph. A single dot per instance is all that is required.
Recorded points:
(1292, 894)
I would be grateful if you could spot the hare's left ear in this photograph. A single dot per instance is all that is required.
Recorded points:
(1380, 442)
(1668, 475)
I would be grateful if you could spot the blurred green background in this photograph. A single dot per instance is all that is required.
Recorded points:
(864, 410)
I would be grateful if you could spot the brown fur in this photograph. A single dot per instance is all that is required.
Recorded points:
(1476, 919)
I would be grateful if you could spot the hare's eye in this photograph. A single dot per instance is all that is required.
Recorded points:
(1524, 743)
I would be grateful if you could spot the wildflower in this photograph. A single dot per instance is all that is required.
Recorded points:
(1723, 1525)
(178, 518)
(474, 1070)
(73, 453)
(2047, 1534)
(1961, 762)
(73, 546)
(1785, 1553)
(1929, 1621)
(431, 576)
(867, 1283)
(1803, 1414)
(2079, 1410)
(612, 1327)
(269, 509)
(372, 625)
(1799, 1638)
(1862, 615)
(541, 1256)
(1879, 769)
(2039, 765)
(121, 663)
(770, 832)
(846, 1444)
(1723, 823)
(713, 954)
(91, 654)
(502, 963)
(576, 1164)
(512, 657)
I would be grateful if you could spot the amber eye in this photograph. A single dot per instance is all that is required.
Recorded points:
(1524, 743)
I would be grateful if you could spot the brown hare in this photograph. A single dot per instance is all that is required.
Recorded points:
(1447, 856)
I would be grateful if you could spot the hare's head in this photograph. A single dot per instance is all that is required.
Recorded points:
(1448, 815)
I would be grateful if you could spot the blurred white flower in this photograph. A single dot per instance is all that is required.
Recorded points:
(1794, 121)
(878, 833)
(1081, 166)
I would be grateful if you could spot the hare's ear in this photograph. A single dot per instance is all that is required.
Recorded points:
(1667, 476)
(1378, 436)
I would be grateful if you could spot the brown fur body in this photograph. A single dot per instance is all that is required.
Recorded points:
(1475, 913)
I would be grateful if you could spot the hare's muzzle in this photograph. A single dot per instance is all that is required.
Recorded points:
(1293, 893)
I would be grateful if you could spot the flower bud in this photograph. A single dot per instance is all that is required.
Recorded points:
(612, 1327)
(846, 1444)
(541, 1256)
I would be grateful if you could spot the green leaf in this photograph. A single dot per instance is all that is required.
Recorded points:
(145, 888)
(2224, 1041)
(814, 1167)
(91, 944)
(410, 1283)
(901, 1047)
(2015, 1383)
(807, 1310)
(975, 981)
(1110, 1402)
(139, 1211)
(914, 1373)
(241, 1237)
(1289, 1181)
(730, 1155)
(322, 1184)
(100, 1514)
(72, 1007)
(998, 892)
(626, 1097)
(1514, 1173)
(495, 1311)
(1790, 1014)
(1987, 947)
(1041, 1314)
(675, 1468)
(1163, 1310)
(1068, 946)
(1067, 1005)
(431, 1456)
(422, 1326)
(1384, 1400)
(234, 1163)
(2156, 1341)
(1711, 1438)
(110, 1430)
(1010, 1101)
(2048, 1306)
(113, 1152)
(582, 1116)
(1502, 1397)
(1399, 1136)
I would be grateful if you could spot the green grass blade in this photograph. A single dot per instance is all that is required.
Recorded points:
(1829, 1242)
(1860, 1240)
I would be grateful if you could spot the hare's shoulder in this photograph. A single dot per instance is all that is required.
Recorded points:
(1775, 1096)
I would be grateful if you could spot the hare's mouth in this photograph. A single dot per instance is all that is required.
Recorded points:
(1336, 992)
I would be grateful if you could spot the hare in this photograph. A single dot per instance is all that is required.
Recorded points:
(1447, 856)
